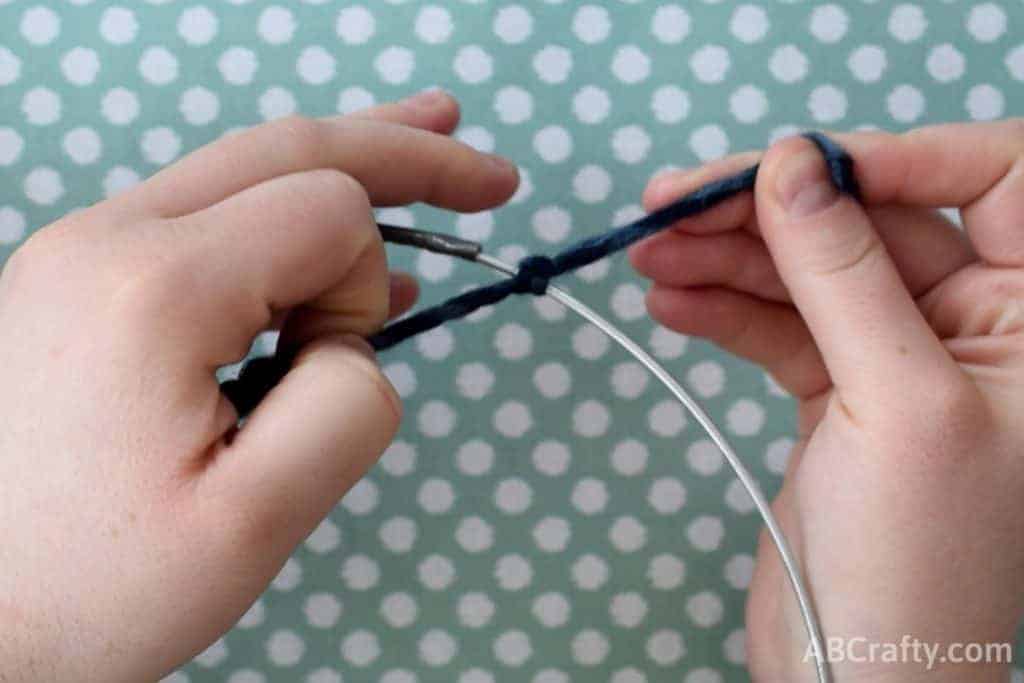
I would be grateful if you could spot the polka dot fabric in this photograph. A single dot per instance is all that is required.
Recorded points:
(547, 514)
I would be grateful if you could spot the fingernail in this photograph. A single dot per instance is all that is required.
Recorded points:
(429, 98)
(804, 186)
(357, 343)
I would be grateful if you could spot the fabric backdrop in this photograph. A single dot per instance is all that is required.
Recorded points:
(547, 514)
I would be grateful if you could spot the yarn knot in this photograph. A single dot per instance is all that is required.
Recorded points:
(535, 272)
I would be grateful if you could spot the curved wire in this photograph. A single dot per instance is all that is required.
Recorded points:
(810, 618)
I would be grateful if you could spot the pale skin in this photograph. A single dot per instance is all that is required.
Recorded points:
(128, 489)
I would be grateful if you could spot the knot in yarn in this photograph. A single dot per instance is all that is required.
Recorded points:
(535, 272)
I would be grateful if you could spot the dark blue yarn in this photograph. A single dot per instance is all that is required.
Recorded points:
(535, 272)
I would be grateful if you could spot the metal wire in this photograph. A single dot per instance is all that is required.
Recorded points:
(810, 618)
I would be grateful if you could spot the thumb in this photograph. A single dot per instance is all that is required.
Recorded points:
(309, 440)
(871, 334)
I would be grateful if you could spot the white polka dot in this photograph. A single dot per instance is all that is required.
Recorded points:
(237, 65)
(80, 66)
(436, 496)
(513, 496)
(590, 419)
(276, 25)
(867, 63)
(477, 137)
(738, 498)
(631, 65)
(436, 572)
(670, 104)
(315, 66)
(246, 675)
(590, 572)
(590, 648)
(552, 380)
(360, 648)
(402, 378)
(591, 104)
(705, 609)
(325, 538)
(552, 534)
(213, 655)
(513, 648)
(41, 106)
(434, 25)
(627, 534)
(748, 104)
(119, 179)
(710, 64)
(436, 419)
(666, 572)
(399, 610)
(395, 65)
(788, 64)
(592, 184)
(513, 105)
(986, 22)
(354, 99)
(705, 533)
(11, 146)
(628, 609)
(551, 610)
(629, 380)
(631, 144)
(160, 145)
(324, 675)
(667, 496)
(1014, 63)
(12, 225)
(475, 226)
(629, 457)
(670, 24)
(749, 23)
(827, 104)
(475, 535)
(285, 648)
(829, 23)
(120, 106)
(199, 106)
(158, 66)
(513, 572)
(629, 675)
(360, 573)
(355, 25)
(10, 66)
(197, 25)
(735, 647)
(553, 64)
(704, 457)
(43, 185)
(475, 610)
(551, 458)
(553, 144)
(552, 224)
(945, 63)
(665, 647)
(82, 145)
(591, 24)
(394, 675)
(436, 344)
(289, 578)
(589, 496)
(907, 23)
(363, 498)
(474, 380)
(512, 419)
(40, 25)
(985, 102)
(905, 103)
(473, 64)
(399, 459)
(739, 570)
(513, 24)
(475, 457)
(667, 418)
(709, 142)
(555, 676)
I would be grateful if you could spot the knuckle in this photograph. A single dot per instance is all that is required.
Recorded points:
(303, 139)
(943, 423)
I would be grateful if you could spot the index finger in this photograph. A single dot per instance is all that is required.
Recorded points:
(396, 164)
(978, 167)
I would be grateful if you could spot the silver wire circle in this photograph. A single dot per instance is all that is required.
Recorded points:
(807, 611)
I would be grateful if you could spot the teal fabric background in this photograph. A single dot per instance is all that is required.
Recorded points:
(547, 514)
